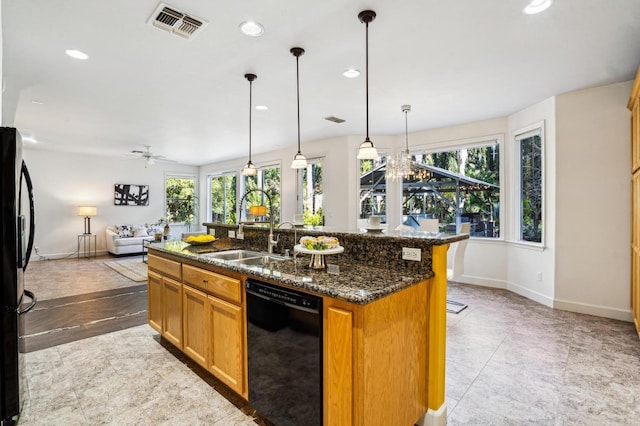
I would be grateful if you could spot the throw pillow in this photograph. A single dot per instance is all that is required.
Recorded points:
(124, 231)
(140, 232)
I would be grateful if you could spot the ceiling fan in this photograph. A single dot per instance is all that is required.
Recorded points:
(149, 158)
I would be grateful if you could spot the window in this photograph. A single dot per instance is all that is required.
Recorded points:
(457, 185)
(180, 199)
(268, 180)
(312, 193)
(223, 198)
(373, 194)
(529, 149)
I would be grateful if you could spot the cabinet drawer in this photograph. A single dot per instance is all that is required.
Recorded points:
(165, 266)
(215, 284)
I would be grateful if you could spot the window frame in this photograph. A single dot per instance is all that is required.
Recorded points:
(470, 143)
(224, 174)
(519, 135)
(242, 188)
(174, 175)
(383, 154)
(300, 184)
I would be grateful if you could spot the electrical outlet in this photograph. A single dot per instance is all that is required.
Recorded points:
(231, 234)
(240, 235)
(411, 254)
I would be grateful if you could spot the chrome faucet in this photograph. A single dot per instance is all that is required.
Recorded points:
(271, 243)
(295, 235)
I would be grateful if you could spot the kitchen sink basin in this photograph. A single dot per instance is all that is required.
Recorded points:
(246, 257)
(235, 254)
(262, 260)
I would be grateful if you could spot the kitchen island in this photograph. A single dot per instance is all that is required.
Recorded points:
(383, 347)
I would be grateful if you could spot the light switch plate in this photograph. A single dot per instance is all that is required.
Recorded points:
(231, 234)
(411, 254)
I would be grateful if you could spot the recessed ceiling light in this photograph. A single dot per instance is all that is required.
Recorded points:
(351, 73)
(262, 107)
(76, 54)
(252, 28)
(37, 102)
(537, 6)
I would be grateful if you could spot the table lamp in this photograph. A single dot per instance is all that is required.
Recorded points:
(87, 212)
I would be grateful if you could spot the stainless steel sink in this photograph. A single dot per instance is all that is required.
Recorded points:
(235, 254)
(262, 260)
(246, 257)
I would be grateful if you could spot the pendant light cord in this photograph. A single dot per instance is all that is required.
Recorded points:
(406, 132)
(250, 100)
(298, 95)
(367, 73)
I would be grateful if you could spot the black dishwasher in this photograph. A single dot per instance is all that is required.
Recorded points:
(284, 345)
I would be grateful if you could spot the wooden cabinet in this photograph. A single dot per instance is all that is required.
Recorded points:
(172, 311)
(203, 315)
(358, 340)
(164, 297)
(154, 300)
(634, 106)
(195, 330)
(227, 361)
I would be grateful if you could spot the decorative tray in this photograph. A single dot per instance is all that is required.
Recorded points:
(198, 243)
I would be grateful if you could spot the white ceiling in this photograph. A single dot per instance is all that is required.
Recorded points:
(454, 61)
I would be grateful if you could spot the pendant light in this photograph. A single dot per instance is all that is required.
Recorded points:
(299, 160)
(367, 150)
(401, 167)
(249, 168)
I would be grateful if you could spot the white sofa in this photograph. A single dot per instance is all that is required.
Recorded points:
(127, 239)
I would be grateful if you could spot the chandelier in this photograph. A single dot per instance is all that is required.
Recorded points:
(401, 166)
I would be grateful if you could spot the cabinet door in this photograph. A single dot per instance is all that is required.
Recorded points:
(154, 300)
(227, 343)
(195, 331)
(172, 311)
(635, 249)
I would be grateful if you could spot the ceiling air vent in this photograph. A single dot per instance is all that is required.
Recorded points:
(176, 22)
(335, 119)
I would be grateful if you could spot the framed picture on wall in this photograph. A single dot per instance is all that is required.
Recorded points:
(131, 195)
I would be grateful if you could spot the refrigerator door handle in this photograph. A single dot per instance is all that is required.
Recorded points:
(32, 219)
(34, 300)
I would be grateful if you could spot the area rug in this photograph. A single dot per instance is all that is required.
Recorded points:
(134, 269)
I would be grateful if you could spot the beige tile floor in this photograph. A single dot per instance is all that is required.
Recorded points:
(510, 361)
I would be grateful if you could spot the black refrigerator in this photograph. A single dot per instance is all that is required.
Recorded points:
(16, 234)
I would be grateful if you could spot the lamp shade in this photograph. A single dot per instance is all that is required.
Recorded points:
(367, 151)
(299, 161)
(258, 210)
(87, 211)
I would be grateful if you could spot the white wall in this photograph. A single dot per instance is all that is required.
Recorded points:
(593, 201)
(525, 262)
(62, 182)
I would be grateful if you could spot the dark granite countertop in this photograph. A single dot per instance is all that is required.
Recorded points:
(355, 282)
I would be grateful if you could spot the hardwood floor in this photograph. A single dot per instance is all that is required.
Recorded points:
(116, 304)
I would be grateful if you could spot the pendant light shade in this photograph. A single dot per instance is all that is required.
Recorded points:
(299, 160)
(249, 168)
(367, 150)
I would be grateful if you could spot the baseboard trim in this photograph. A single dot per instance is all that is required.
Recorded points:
(597, 310)
(530, 294)
(565, 305)
(434, 418)
(484, 282)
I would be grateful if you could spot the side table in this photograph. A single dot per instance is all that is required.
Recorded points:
(86, 240)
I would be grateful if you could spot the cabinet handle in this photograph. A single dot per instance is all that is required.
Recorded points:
(205, 281)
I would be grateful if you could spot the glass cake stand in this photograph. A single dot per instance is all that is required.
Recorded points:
(317, 256)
